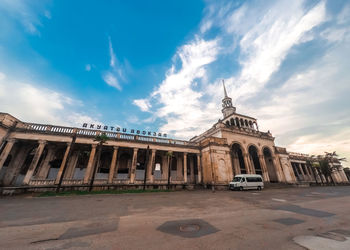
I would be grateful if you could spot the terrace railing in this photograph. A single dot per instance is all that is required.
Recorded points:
(42, 128)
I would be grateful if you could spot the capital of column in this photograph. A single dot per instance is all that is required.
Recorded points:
(93, 145)
(154, 151)
(11, 140)
(115, 147)
(185, 153)
(69, 144)
(136, 149)
(42, 142)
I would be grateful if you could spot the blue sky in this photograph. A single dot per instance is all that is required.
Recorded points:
(157, 65)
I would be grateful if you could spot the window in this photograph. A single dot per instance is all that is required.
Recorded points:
(254, 179)
(236, 179)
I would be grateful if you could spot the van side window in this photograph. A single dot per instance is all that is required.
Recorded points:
(254, 179)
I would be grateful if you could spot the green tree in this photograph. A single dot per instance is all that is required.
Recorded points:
(327, 164)
(101, 138)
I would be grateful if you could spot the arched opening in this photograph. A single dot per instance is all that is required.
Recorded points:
(227, 123)
(232, 122)
(237, 122)
(238, 160)
(251, 124)
(253, 153)
(246, 123)
(269, 165)
(242, 122)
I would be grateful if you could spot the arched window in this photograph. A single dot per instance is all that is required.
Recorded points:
(232, 122)
(242, 122)
(238, 160)
(253, 152)
(237, 122)
(246, 123)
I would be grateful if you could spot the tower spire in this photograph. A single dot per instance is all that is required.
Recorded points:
(227, 108)
(223, 84)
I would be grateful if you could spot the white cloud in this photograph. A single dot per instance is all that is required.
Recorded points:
(116, 74)
(25, 13)
(179, 102)
(143, 104)
(31, 103)
(266, 44)
(298, 111)
(111, 80)
(88, 67)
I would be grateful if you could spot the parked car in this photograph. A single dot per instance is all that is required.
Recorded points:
(247, 181)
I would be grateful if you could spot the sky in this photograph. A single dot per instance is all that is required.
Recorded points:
(158, 65)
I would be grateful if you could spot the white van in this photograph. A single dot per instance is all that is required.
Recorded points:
(247, 181)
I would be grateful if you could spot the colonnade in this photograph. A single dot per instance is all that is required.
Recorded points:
(256, 162)
(39, 167)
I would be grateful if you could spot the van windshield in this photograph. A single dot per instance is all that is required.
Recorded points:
(237, 179)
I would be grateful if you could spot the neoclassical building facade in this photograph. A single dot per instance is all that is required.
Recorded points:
(38, 155)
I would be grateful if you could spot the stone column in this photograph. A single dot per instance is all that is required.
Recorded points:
(185, 167)
(6, 151)
(133, 166)
(71, 164)
(113, 164)
(199, 168)
(63, 163)
(45, 167)
(164, 167)
(301, 171)
(18, 162)
(34, 163)
(150, 164)
(236, 164)
(264, 168)
(247, 163)
(278, 169)
(90, 164)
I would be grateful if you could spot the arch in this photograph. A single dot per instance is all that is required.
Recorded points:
(246, 123)
(232, 122)
(250, 124)
(269, 164)
(238, 165)
(254, 156)
(227, 123)
(237, 122)
(241, 122)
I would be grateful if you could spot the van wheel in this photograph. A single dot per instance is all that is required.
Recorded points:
(240, 188)
(259, 188)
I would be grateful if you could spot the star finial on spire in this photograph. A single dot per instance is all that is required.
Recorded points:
(223, 83)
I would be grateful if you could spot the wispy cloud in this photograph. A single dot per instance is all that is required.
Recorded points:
(116, 74)
(264, 36)
(177, 100)
(37, 104)
(26, 13)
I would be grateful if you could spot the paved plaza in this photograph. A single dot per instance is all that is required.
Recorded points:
(289, 218)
